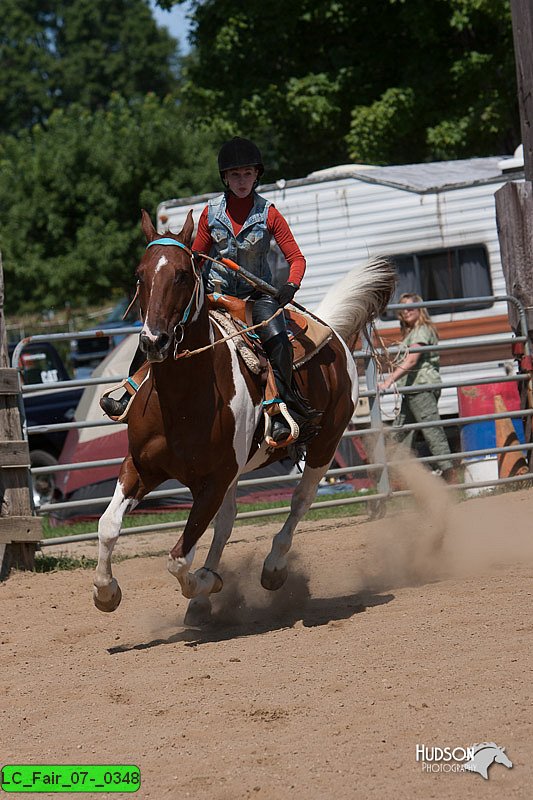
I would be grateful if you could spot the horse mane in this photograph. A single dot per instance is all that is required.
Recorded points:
(358, 298)
(485, 745)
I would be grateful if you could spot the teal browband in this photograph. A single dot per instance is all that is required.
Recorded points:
(167, 241)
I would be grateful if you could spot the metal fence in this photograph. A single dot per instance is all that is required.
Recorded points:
(374, 429)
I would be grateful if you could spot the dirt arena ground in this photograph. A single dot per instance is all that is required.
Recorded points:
(415, 629)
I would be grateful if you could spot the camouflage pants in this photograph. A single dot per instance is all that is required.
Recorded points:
(422, 407)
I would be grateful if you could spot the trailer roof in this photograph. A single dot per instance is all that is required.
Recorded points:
(439, 175)
(435, 176)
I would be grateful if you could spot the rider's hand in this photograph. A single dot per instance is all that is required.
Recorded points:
(286, 293)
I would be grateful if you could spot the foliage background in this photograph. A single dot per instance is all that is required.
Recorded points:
(100, 113)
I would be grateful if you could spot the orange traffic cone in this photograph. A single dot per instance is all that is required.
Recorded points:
(510, 463)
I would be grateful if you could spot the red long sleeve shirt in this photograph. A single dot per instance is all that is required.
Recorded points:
(237, 210)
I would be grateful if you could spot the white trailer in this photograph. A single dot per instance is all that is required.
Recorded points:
(436, 220)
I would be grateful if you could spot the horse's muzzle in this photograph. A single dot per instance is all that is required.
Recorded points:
(155, 347)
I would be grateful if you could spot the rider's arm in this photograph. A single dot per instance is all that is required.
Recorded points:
(279, 228)
(203, 241)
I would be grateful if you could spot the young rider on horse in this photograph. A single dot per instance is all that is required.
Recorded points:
(239, 224)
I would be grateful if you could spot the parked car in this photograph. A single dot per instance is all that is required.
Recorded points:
(40, 362)
(87, 353)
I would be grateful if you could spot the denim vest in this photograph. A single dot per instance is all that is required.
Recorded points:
(249, 248)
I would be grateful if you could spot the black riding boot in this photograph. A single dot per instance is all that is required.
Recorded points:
(279, 353)
(115, 408)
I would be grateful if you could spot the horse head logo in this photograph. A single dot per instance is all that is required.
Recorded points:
(484, 755)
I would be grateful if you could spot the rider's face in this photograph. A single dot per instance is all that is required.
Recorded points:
(241, 180)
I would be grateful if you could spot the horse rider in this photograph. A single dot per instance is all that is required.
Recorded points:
(239, 224)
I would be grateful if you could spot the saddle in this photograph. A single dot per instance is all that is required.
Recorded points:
(307, 336)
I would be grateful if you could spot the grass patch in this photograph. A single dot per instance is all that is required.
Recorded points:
(45, 563)
(137, 520)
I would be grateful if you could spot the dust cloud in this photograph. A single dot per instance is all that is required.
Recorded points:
(431, 536)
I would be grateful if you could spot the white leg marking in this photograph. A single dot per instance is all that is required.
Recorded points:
(199, 608)
(201, 582)
(303, 496)
(108, 533)
(223, 526)
(177, 566)
(106, 591)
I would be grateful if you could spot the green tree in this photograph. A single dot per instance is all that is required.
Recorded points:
(71, 196)
(466, 108)
(320, 82)
(56, 52)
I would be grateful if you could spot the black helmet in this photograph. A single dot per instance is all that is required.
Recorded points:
(239, 152)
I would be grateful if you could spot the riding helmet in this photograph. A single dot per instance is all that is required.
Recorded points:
(239, 152)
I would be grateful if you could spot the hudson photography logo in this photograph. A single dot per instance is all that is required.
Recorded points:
(477, 758)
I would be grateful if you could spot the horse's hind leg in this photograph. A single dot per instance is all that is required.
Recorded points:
(275, 570)
(106, 592)
(199, 608)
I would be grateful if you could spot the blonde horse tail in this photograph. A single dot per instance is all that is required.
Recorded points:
(358, 298)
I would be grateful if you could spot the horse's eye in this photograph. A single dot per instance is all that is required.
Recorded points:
(180, 278)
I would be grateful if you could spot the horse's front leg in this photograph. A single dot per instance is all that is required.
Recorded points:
(205, 581)
(199, 608)
(106, 592)
(275, 571)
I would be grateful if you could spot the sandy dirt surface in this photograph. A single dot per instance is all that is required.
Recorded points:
(415, 629)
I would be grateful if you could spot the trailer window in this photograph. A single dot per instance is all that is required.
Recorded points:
(459, 272)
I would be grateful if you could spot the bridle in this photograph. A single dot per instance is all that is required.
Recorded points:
(194, 302)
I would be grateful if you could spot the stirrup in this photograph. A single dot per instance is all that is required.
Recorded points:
(294, 428)
(132, 388)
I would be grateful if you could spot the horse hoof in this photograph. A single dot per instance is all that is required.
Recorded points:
(273, 579)
(198, 612)
(111, 599)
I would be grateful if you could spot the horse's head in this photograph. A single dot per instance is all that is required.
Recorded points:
(169, 286)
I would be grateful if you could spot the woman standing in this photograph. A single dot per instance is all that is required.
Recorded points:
(417, 369)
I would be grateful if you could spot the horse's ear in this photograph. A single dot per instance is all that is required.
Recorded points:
(187, 230)
(147, 226)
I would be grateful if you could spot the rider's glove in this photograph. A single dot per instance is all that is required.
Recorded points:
(286, 293)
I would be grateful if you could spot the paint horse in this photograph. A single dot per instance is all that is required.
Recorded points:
(200, 419)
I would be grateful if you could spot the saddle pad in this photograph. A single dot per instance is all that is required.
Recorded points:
(254, 360)
(308, 335)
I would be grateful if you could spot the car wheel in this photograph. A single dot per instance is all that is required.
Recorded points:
(43, 485)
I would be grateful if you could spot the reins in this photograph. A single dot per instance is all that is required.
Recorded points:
(262, 324)
(227, 263)
(194, 298)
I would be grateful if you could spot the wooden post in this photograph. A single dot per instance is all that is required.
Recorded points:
(514, 201)
(20, 530)
(514, 214)
(522, 20)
